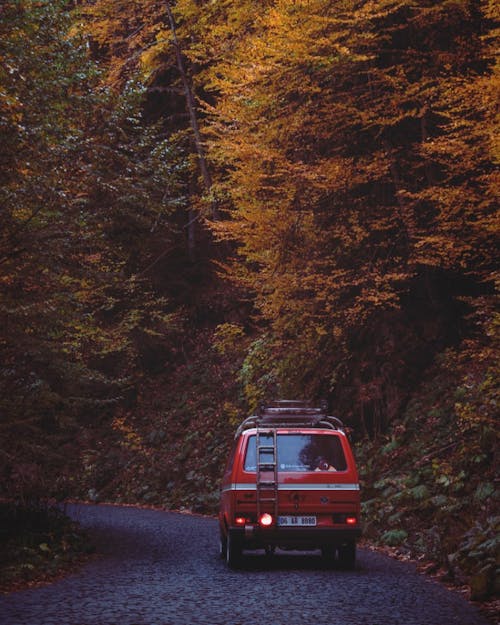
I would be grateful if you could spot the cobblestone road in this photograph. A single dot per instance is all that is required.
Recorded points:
(161, 568)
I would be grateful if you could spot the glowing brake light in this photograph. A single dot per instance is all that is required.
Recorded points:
(351, 520)
(266, 519)
(240, 520)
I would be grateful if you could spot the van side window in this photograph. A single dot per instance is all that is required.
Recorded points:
(230, 460)
(302, 452)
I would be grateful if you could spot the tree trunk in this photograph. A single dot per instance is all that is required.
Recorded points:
(191, 105)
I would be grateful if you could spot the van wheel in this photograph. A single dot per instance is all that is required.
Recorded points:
(270, 549)
(328, 552)
(347, 554)
(222, 546)
(233, 551)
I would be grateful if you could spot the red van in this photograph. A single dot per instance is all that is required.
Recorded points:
(290, 482)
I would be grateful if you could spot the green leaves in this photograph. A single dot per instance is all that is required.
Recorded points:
(394, 538)
(37, 543)
(433, 486)
(84, 180)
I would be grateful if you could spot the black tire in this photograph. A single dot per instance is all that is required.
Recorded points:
(223, 546)
(328, 553)
(234, 550)
(347, 554)
(270, 549)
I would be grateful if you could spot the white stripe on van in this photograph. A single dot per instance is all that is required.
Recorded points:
(294, 487)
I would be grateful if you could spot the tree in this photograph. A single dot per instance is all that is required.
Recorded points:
(356, 172)
(82, 180)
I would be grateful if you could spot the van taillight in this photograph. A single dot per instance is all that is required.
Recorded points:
(240, 520)
(266, 519)
(348, 519)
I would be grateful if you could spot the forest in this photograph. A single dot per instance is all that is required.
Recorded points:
(206, 204)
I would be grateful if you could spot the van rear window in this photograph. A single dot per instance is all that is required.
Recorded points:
(299, 452)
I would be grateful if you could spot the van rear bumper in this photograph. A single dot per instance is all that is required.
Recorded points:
(255, 537)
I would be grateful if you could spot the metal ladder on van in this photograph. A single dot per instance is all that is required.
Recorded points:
(267, 471)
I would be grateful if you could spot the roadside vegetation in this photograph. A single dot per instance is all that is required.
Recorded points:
(430, 485)
(37, 545)
(207, 205)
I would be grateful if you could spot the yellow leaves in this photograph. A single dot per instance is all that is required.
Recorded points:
(21, 213)
(127, 30)
(149, 61)
(439, 250)
(93, 258)
(10, 104)
(229, 338)
(152, 57)
(340, 152)
(131, 439)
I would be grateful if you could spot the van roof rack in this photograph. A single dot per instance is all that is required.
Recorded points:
(291, 413)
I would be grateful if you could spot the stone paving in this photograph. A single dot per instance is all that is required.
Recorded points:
(163, 568)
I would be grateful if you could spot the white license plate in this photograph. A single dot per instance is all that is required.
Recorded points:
(296, 521)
